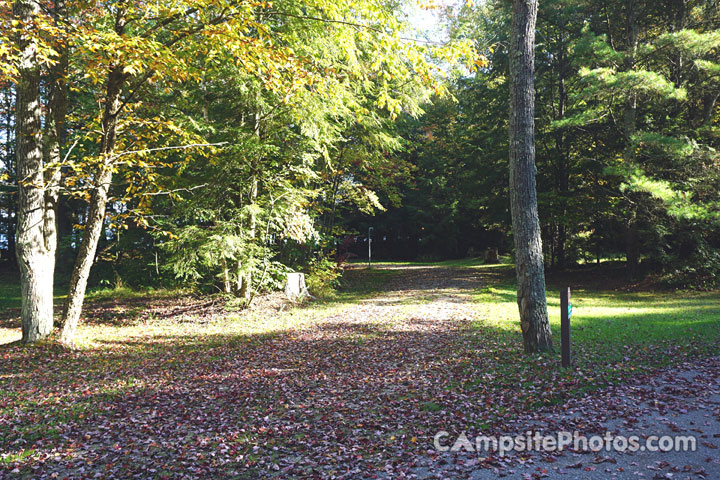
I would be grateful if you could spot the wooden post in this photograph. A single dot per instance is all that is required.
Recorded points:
(565, 314)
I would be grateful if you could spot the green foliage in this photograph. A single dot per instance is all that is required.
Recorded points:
(707, 66)
(319, 119)
(606, 82)
(582, 118)
(324, 276)
(670, 146)
(599, 164)
(699, 268)
(679, 204)
(690, 43)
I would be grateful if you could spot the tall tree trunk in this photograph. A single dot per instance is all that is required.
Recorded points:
(523, 196)
(677, 64)
(632, 239)
(630, 128)
(551, 238)
(246, 283)
(33, 249)
(11, 168)
(708, 109)
(336, 186)
(226, 277)
(54, 138)
(563, 171)
(98, 199)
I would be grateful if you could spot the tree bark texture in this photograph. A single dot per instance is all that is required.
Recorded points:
(98, 198)
(630, 129)
(523, 196)
(55, 133)
(34, 249)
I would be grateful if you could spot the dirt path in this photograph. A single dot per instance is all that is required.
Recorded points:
(434, 296)
(343, 397)
(681, 404)
(359, 393)
(681, 401)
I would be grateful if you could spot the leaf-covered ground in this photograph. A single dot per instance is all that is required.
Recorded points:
(351, 388)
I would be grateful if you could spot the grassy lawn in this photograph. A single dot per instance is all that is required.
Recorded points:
(168, 380)
(9, 295)
(122, 313)
(609, 321)
(10, 303)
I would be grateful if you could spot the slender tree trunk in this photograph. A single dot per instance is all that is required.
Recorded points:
(523, 196)
(677, 65)
(336, 185)
(329, 224)
(246, 284)
(54, 139)
(226, 277)
(563, 171)
(561, 241)
(10, 165)
(98, 199)
(239, 280)
(551, 237)
(630, 128)
(632, 239)
(708, 108)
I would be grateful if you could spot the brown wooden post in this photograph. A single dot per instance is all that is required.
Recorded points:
(565, 314)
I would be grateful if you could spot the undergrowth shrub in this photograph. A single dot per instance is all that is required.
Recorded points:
(324, 276)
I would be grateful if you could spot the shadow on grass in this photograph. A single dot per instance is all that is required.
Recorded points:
(124, 307)
(342, 395)
(332, 396)
(347, 381)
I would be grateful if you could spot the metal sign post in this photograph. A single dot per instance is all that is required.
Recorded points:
(565, 315)
(370, 229)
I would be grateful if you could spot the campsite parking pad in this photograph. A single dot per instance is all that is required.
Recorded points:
(679, 401)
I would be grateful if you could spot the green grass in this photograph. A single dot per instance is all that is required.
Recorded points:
(642, 317)
(616, 329)
(609, 320)
(614, 326)
(123, 293)
(15, 457)
(362, 283)
(613, 333)
(354, 284)
(9, 295)
(462, 262)
(614, 336)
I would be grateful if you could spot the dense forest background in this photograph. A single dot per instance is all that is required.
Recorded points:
(627, 138)
(288, 166)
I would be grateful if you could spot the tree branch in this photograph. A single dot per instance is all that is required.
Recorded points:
(162, 149)
(170, 192)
